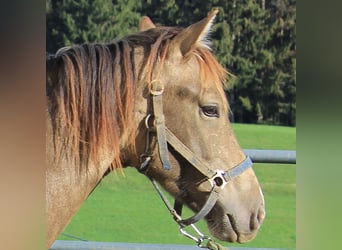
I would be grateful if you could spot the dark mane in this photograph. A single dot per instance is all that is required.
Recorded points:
(90, 92)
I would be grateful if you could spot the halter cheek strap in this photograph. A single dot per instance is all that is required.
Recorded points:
(156, 91)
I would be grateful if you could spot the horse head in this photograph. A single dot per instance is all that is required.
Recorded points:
(194, 109)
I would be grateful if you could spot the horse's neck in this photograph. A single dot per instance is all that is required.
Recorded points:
(66, 188)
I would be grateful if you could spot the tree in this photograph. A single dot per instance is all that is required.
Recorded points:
(74, 22)
(254, 39)
(250, 59)
(263, 58)
(283, 15)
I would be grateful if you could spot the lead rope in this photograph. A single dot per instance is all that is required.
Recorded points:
(201, 238)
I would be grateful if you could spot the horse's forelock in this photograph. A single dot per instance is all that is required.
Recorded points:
(212, 73)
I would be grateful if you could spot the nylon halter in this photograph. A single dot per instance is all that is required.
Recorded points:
(218, 179)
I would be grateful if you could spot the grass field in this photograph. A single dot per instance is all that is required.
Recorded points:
(127, 209)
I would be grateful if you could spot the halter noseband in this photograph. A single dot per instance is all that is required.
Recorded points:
(218, 179)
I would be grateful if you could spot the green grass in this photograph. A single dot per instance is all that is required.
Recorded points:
(127, 209)
(265, 137)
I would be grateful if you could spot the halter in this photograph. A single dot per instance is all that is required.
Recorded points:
(218, 179)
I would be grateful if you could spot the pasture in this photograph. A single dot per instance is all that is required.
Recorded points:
(126, 208)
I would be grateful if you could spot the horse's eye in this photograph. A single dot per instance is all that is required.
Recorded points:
(210, 111)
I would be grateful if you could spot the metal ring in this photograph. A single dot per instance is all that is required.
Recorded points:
(157, 88)
(219, 179)
(150, 123)
(147, 119)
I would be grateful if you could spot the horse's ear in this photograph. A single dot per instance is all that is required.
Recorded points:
(146, 24)
(195, 35)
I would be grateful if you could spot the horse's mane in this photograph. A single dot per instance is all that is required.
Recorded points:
(90, 92)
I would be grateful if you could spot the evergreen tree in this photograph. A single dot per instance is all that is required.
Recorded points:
(250, 59)
(74, 22)
(283, 16)
(254, 39)
(263, 58)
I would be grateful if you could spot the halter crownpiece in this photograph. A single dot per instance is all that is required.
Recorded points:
(218, 179)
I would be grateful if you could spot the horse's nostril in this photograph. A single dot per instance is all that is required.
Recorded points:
(257, 219)
(261, 215)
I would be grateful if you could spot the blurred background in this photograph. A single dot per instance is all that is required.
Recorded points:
(253, 40)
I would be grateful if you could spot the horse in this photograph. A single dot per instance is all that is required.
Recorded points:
(154, 100)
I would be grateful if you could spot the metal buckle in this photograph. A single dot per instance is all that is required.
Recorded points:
(219, 179)
(144, 162)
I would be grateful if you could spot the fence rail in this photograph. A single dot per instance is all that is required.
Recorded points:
(89, 245)
(272, 156)
(257, 156)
